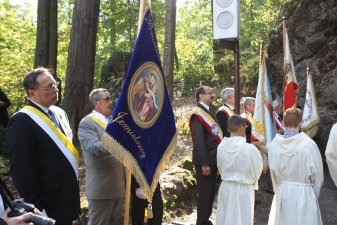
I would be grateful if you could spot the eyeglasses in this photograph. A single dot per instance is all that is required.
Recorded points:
(105, 99)
(48, 88)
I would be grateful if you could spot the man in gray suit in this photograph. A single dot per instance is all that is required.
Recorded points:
(105, 177)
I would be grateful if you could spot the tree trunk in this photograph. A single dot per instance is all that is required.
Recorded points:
(52, 60)
(46, 35)
(170, 31)
(42, 34)
(113, 23)
(81, 60)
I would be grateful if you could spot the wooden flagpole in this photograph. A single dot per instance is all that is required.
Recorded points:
(143, 4)
(261, 51)
(127, 197)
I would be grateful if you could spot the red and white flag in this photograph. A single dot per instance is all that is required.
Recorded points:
(290, 85)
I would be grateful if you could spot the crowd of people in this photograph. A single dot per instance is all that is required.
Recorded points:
(44, 162)
(222, 142)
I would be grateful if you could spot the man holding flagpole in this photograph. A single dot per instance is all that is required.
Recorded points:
(206, 136)
(44, 162)
(135, 134)
(105, 177)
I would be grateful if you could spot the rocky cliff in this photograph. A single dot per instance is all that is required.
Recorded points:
(312, 31)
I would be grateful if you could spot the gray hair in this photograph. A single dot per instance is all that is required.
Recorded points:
(276, 104)
(30, 80)
(226, 93)
(248, 101)
(95, 95)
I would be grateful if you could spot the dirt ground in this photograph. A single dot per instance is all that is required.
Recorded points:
(327, 202)
(327, 199)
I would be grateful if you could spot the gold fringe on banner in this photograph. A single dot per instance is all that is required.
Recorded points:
(261, 148)
(127, 159)
(311, 132)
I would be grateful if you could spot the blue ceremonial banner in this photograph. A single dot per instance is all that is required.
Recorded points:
(141, 132)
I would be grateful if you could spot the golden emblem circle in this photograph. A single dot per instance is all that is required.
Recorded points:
(146, 94)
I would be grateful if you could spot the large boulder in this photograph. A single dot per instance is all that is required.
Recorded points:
(179, 188)
(312, 31)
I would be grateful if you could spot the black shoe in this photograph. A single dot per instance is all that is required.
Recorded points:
(270, 191)
(257, 201)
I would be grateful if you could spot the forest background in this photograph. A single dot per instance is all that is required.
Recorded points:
(39, 33)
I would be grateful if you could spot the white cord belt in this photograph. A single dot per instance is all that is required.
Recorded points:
(296, 183)
(299, 184)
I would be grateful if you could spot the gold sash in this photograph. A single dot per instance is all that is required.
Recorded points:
(63, 141)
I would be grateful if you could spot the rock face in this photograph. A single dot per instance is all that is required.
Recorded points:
(312, 31)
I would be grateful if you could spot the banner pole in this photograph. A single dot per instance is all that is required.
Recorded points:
(128, 172)
(127, 197)
(141, 15)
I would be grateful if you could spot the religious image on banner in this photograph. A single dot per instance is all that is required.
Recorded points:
(290, 84)
(263, 128)
(141, 132)
(310, 117)
(145, 94)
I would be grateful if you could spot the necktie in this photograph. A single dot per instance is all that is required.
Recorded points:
(52, 116)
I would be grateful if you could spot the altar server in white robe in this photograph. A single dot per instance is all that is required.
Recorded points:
(297, 174)
(331, 153)
(240, 166)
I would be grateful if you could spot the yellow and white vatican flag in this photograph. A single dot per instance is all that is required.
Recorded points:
(263, 128)
(310, 117)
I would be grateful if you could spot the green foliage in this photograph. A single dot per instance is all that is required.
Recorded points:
(202, 62)
(194, 44)
(17, 44)
(65, 13)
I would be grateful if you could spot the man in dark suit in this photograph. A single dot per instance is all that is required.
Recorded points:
(206, 136)
(139, 203)
(43, 161)
(227, 110)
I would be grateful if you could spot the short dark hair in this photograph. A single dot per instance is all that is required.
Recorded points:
(292, 117)
(30, 80)
(200, 90)
(235, 122)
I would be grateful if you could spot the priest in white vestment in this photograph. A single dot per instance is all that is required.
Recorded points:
(331, 153)
(297, 173)
(240, 166)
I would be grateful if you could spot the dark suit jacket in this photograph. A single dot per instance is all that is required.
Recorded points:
(223, 120)
(3, 109)
(204, 144)
(40, 171)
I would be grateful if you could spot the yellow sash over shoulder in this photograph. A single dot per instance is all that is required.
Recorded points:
(98, 121)
(62, 141)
